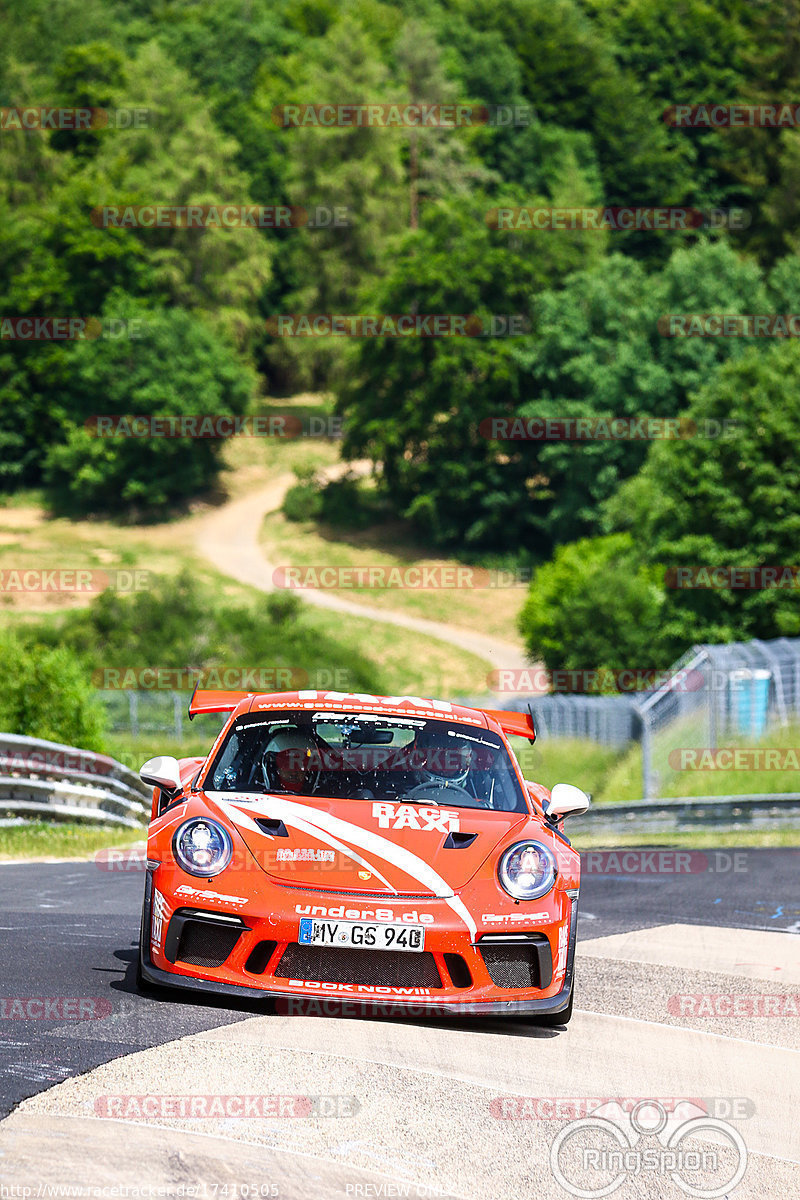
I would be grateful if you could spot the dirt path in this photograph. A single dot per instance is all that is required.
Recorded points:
(229, 538)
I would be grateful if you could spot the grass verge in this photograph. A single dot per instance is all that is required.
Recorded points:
(488, 610)
(51, 839)
(569, 760)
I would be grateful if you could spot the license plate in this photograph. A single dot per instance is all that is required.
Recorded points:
(358, 936)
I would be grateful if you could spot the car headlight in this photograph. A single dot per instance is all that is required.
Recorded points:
(527, 870)
(202, 847)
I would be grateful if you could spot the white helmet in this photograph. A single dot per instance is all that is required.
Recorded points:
(441, 758)
(289, 760)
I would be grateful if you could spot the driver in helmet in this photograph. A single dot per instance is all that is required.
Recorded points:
(290, 762)
(441, 758)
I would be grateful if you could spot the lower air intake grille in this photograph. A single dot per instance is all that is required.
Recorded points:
(373, 968)
(257, 962)
(519, 965)
(206, 945)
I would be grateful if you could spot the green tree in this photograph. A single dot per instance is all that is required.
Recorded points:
(353, 171)
(594, 606)
(126, 377)
(598, 352)
(46, 694)
(729, 501)
(415, 404)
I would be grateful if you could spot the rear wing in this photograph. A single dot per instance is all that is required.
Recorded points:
(513, 724)
(214, 702)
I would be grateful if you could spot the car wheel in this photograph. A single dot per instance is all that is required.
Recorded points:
(142, 984)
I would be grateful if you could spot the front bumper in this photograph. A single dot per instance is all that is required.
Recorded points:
(382, 1000)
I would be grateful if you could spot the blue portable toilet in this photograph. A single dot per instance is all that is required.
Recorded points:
(749, 700)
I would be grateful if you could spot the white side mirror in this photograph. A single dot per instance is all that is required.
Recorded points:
(162, 772)
(566, 800)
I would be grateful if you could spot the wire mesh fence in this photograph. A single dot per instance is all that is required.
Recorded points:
(713, 695)
(737, 692)
(610, 720)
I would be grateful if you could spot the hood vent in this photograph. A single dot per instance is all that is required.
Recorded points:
(459, 841)
(273, 826)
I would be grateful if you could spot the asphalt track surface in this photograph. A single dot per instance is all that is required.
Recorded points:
(411, 1107)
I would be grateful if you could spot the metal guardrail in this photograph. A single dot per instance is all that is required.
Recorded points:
(760, 810)
(40, 779)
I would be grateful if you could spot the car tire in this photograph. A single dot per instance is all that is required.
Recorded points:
(143, 985)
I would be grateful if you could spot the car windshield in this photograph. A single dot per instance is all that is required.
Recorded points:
(368, 757)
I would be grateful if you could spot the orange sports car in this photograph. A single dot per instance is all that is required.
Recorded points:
(378, 850)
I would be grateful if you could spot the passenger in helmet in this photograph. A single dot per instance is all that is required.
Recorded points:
(440, 758)
(291, 762)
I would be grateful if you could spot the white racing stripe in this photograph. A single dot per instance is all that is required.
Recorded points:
(398, 856)
(239, 817)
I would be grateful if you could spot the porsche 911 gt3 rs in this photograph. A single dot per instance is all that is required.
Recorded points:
(371, 849)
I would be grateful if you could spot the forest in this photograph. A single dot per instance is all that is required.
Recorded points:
(534, 106)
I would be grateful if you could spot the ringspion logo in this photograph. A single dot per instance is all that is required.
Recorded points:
(596, 1154)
